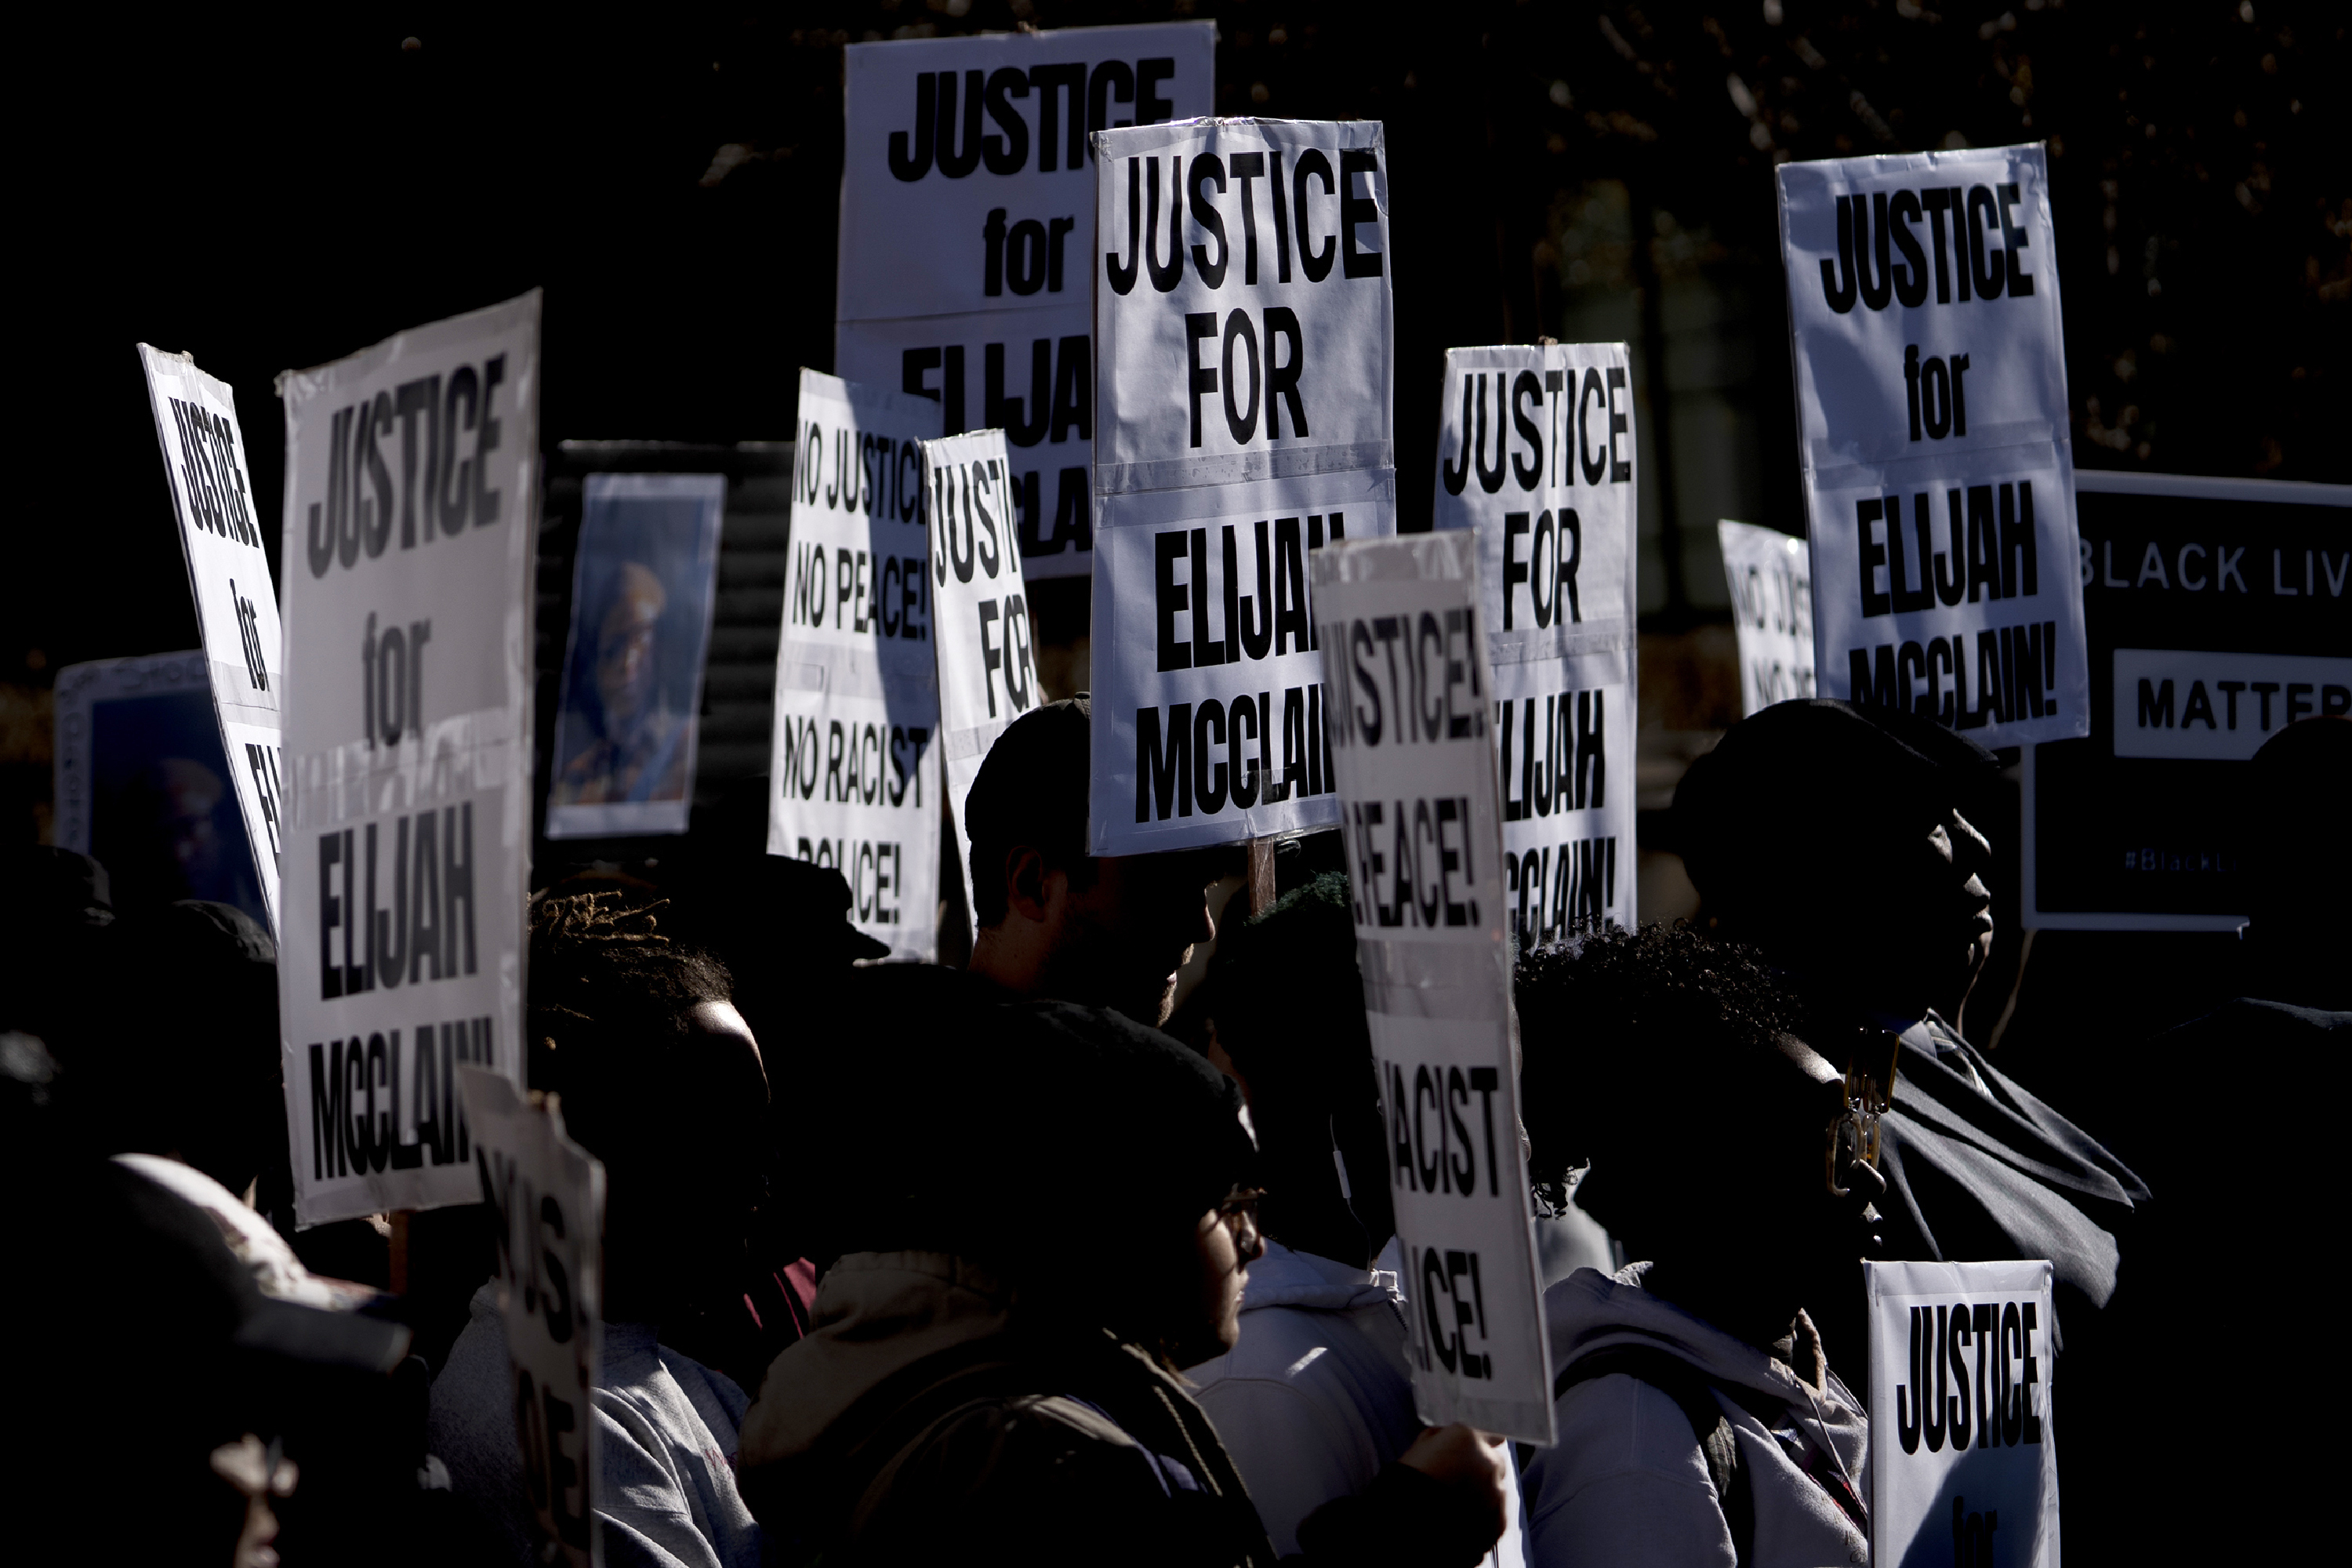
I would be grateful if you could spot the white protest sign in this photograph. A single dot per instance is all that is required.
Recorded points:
(411, 508)
(1536, 458)
(968, 230)
(1962, 1447)
(1244, 368)
(237, 604)
(988, 671)
(1770, 578)
(1940, 473)
(1403, 639)
(855, 771)
(547, 1194)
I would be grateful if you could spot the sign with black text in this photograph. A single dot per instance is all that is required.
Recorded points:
(855, 770)
(2217, 612)
(1241, 319)
(1770, 578)
(1962, 1447)
(1534, 452)
(987, 668)
(1404, 643)
(1933, 425)
(412, 509)
(968, 230)
(546, 1197)
(236, 604)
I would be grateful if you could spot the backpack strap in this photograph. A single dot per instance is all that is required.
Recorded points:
(1694, 1394)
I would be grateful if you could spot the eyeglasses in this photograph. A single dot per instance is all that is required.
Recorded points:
(1238, 1215)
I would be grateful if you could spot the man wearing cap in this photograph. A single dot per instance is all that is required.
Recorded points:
(1838, 841)
(1054, 920)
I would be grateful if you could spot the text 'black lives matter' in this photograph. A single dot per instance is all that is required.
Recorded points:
(1934, 1405)
(360, 1084)
(445, 428)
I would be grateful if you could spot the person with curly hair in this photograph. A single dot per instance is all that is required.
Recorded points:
(637, 1040)
(1699, 1418)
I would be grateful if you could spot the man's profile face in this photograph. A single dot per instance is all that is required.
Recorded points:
(1125, 938)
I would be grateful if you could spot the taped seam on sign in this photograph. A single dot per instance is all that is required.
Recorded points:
(1239, 467)
(1894, 453)
(1556, 642)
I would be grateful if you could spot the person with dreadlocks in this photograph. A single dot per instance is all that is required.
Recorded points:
(659, 1079)
(1699, 1418)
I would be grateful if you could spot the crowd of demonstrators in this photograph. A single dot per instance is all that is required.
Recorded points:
(904, 1262)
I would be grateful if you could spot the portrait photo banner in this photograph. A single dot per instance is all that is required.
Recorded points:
(1934, 435)
(1536, 461)
(855, 772)
(968, 230)
(1402, 628)
(643, 580)
(987, 666)
(1963, 1452)
(412, 509)
(1770, 575)
(236, 602)
(142, 783)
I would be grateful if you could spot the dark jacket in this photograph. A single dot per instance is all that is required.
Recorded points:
(922, 1422)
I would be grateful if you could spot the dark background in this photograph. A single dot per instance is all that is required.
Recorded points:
(280, 195)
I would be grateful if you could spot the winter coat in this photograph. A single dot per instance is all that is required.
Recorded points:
(928, 1419)
(1628, 1484)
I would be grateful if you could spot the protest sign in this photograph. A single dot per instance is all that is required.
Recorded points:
(987, 669)
(236, 604)
(855, 771)
(1961, 1442)
(141, 784)
(1242, 387)
(546, 1196)
(1933, 425)
(2216, 611)
(412, 509)
(1536, 459)
(967, 225)
(1401, 626)
(643, 585)
(1770, 580)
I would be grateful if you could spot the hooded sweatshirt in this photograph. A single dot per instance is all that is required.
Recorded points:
(665, 1430)
(1317, 1398)
(1627, 1484)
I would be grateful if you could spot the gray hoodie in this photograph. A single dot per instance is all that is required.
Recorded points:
(1627, 1485)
